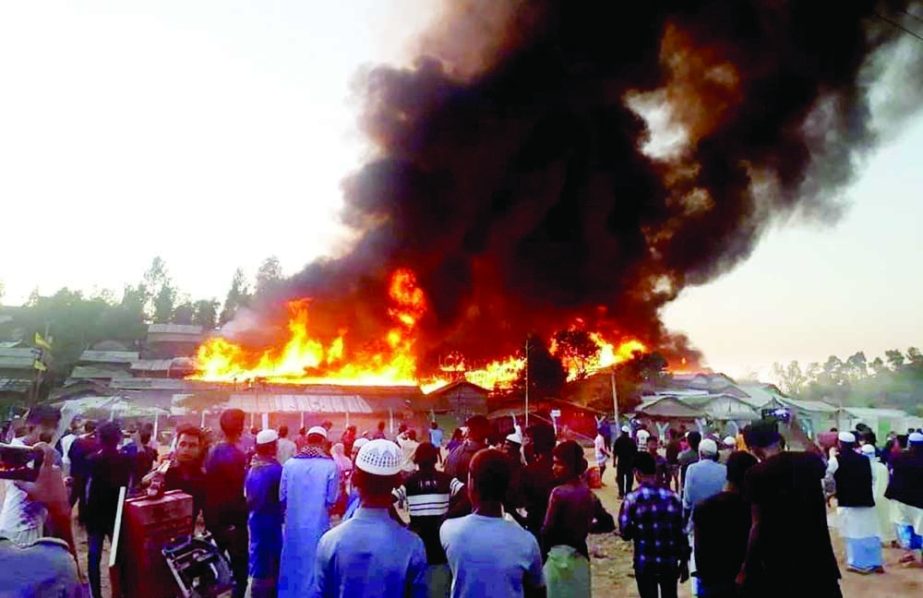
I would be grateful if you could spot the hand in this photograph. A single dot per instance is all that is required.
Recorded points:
(740, 580)
(683, 572)
(48, 488)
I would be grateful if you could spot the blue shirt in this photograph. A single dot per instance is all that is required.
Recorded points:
(704, 479)
(652, 517)
(435, 437)
(265, 519)
(371, 555)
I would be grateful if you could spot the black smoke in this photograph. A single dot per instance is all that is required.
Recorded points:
(518, 190)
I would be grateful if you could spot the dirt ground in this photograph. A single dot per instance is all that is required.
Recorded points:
(612, 570)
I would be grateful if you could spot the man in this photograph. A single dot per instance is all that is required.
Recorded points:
(185, 472)
(436, 437)
(601, 453)
(141, 455)
(379, 433)
(728, 445)
(45, 566)
(905, 490)
(857, 519)
(348, 438)
(265, 515)
(722, 528)
(478, 431)
(672, 451)
(491, 557)
(688, 456)
(372, 555)
(286, 448)
(408, 443)
(22, 519)
(652, 517)
(538, 475)
(705, 478)
(625, 450)
(789, 549)
(428, 493)
(308, 490)
(109, 471)
(225, 505)
(63, 445)
(80, 451)
(302, 440)
(663, 470)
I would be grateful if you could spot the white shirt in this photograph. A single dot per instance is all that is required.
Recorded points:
(601, 453)
(285, 450)
(22, 520)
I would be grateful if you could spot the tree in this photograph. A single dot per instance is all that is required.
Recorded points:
(546, 374)
(895, 359)
(915, 358)
(268, 277)
(856, 366)
(163, 304)
(206, 313)
(575, 348)
(790, 377)
(238, 296)
(878, 366)
(183, 313)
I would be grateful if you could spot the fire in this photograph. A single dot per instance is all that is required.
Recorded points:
(307, 359)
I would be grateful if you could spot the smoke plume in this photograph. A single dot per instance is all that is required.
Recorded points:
(547, 160)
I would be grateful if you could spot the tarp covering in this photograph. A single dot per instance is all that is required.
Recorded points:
(281, 403)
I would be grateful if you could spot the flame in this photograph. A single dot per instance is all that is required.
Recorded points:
(306, 359)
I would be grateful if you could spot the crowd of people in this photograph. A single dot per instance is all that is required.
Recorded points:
(486, 516)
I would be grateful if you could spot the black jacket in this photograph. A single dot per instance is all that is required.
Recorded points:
(854, 480)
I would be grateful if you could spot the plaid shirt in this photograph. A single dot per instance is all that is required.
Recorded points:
(653, 518)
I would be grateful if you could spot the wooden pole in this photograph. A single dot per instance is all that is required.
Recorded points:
(615, 398)
(391, 420)
(527, 383)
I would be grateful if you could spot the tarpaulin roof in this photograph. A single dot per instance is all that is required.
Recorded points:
(300, 403)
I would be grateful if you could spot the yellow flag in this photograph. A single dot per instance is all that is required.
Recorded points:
(41, 342)
(39, 366)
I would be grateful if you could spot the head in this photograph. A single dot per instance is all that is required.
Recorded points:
(915, 443)
(457, 434)
(539, 441)
(360, 442)
(377, 474)
(763, 439)
(645, 468)
(512, 445)
(412, 434)
(488, 477)
(302, 431)
(190, 444)
(232, 424)
(89, 427)
(267, 442)
(351, 430)
(846, 441)
(327, 425)
(694, 438)
(739, 462)
(868, 437)
(110, 434)
(569, 462)
(426, 456)
(708, 450)
(145, 436)
(41, 424)
(317, 436)
(626, 431)
(381, 426)
(76, 424)
(254, 431)
(338, 449)
(283, 431)
(652, 444)
(433, 426)
(478, 428)
(402, 428)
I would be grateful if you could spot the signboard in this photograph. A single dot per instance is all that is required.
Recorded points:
(555, 413)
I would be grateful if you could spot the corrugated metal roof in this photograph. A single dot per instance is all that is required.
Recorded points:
(14, 385)
(18, 352)
(83, 372)
(808, 405)
(174, 329)
(279, 403)
(163, 365)
(874, 412)
(17, 363)
(91, 356)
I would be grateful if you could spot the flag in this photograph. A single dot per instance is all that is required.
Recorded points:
(39, 366)
(41, 342)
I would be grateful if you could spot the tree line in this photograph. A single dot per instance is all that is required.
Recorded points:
(895, 380)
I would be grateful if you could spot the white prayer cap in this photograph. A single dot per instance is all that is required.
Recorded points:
(380, 457)
(267, 436)
(708, 447)
(360, 442)
(868, 449)
(643, 434)
(729, 441)
(847, 437)
(915, 438)
(514, 437)
(319, 430)
(626, 429)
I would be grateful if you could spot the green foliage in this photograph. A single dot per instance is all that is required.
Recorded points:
(268, 277)
(206, 313)
(238, 296)
(895, 381)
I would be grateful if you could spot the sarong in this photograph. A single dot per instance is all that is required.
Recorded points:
(864, 554)
(567, 573)
(859, 529)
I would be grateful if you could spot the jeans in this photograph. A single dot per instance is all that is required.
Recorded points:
(624, 480)
(234, 540)
(94, 556)
(648, 584)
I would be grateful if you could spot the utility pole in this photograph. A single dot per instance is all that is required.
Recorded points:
(615, 397)
(527, 383)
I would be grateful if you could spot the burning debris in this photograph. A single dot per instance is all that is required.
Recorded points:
(551, 162)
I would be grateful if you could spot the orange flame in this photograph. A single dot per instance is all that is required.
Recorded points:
(305, 359)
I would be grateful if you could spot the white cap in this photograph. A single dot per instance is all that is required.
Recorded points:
(267, 436)
(319, 430)
(380, 457)
(708, 447)
(847, 437)
(626, 429)
(360, 442)
(868, 449)
(514, 437)
(915, 438)
(643, 434)
(729, 441)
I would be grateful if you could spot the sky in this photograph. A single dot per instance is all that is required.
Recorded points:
(216, 133)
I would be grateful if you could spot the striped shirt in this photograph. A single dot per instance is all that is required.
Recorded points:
(427, 495)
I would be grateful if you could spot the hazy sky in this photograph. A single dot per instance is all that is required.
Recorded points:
(216, 133)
